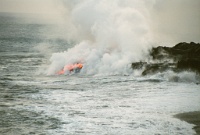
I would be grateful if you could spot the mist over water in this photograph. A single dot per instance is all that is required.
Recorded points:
(110, 35)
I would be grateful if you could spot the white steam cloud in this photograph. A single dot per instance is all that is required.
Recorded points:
(112, 34)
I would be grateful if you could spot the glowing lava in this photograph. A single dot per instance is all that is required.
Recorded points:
(72, 67)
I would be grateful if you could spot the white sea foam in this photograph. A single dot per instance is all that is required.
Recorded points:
(171, 76)
(185, 76)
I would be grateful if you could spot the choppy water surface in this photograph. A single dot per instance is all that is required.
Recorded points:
(32, 103)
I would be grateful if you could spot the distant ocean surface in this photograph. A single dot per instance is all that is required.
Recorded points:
(35, 103)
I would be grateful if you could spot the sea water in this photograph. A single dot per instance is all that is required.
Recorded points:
(35, 103)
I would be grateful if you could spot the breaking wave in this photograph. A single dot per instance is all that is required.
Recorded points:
(171, 76)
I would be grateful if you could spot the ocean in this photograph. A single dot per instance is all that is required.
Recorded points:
(35, 102)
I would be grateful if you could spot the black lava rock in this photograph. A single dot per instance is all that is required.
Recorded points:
(185, 56)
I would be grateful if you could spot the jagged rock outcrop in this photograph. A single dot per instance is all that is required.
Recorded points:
(183, 56)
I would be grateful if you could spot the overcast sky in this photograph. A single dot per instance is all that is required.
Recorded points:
(180, 18)
(28, 6)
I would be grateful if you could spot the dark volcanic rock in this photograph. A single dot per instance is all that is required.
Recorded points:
(189, 63)
(186, 56)
(138, 65)
(158, 67)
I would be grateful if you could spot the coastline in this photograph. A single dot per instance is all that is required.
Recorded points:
(191, 117)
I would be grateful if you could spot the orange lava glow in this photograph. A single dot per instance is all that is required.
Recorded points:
(70, 68)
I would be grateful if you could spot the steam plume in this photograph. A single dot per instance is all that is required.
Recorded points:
(112, 34)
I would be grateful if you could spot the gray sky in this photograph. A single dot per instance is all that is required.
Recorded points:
(28, 6)
(169, 19)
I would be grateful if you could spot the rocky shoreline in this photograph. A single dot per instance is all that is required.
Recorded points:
(181, 57)
(191, 117)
